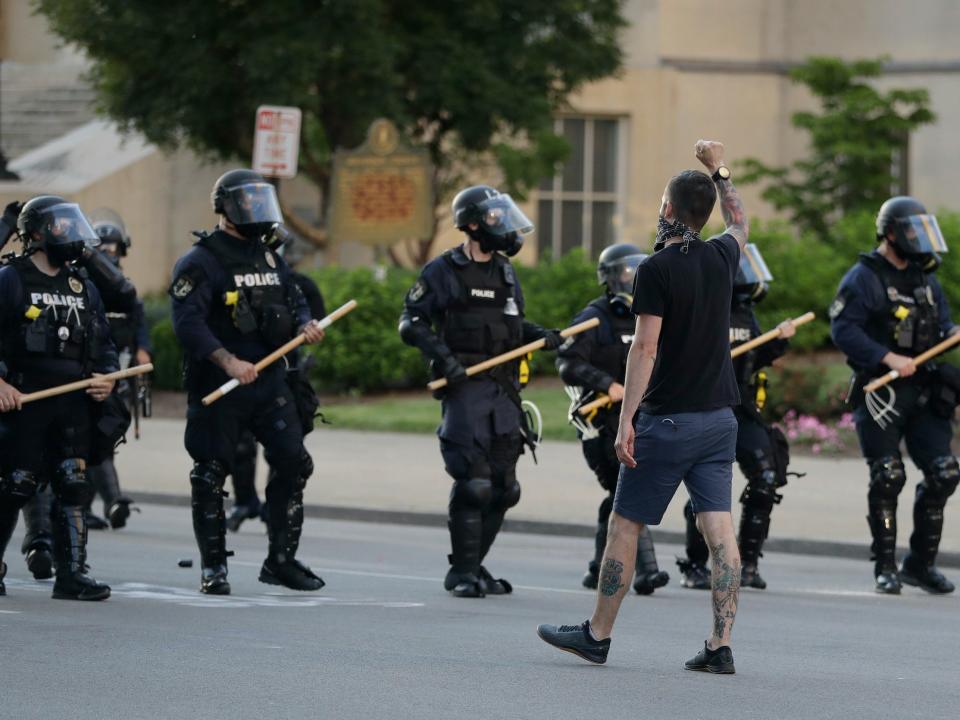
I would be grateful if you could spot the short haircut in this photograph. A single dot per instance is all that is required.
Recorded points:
(693, 196)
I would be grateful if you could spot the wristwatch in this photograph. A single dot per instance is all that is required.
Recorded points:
(722, 173)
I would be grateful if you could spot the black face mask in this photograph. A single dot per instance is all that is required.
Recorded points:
(667, 230)
(59, 254)
(509, 243)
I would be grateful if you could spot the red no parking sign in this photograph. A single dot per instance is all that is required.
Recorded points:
(276, 141)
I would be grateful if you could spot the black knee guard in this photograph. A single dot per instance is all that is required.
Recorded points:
(887, 478)
(16, 489)
(940, 480)
(70, 483)
(473, 493)
(469, 501)
(209, 521)
(697, 551)
(758, 499)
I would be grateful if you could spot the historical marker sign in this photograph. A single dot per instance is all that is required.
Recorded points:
(382, 192)
(276, 141)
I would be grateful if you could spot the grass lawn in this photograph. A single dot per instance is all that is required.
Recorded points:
(419, 412)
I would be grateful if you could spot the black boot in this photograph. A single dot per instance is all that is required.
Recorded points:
(240, 513)
(116, 505)
(16, 490)
(38, 536)
(883, 527)
(285, 525)
(492, 522)
(209, 528)
(918, 569)
(649, 576)
(70, 544)
(754, 527)
(463, 578)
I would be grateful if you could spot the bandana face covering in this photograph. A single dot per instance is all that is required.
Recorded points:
(667, 230)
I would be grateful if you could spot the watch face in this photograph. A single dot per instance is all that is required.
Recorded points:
(724, 172)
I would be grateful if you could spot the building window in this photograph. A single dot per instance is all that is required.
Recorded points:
(582, 205)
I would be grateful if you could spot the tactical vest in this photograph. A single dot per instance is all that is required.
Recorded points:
(741, 331)
(123, 330)
(256, 305)
(909, 324)
(485, 319)
(614, 337)
(56, 333)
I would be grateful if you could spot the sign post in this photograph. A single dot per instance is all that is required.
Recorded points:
(276, 141)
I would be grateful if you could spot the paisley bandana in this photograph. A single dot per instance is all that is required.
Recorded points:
(667, 230)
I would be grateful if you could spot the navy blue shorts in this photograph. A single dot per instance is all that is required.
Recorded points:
(695, 447)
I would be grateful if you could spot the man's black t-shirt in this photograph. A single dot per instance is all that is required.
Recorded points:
(692, 293)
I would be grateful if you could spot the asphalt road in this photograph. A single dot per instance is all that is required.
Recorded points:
(383, 640)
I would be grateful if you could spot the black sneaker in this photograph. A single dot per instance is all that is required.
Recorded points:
(750, 577)
(719, 661)
(695, 575)
(95, 522)
(926, 577)
(576, 639)
(646, 583)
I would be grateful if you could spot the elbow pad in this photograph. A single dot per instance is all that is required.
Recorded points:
(417, 332)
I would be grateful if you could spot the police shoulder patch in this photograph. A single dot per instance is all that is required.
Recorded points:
(269, 258)
(508, 275)
(837, 306)
(182, 287)
(418, 290)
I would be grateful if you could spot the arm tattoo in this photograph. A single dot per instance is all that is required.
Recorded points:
(610, 577)
(733, 213)
(726, 587)
(221, 357)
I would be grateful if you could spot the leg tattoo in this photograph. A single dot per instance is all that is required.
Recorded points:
(610, 576)
(726, 586)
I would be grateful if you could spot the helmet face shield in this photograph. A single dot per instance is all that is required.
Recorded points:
(252, 204)
(753, 269)
(917, 235)
(618, 276)
(500, 216)
(64, 231)
(111, 231)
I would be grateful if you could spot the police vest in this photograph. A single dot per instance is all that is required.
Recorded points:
(256, 305)
(909, 324)
(741, 331)
(484, 320)
(56, 335)
(614, 337)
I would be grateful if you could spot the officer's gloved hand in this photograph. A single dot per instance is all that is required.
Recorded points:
(9, 220)
(552, 339)
(453, 371)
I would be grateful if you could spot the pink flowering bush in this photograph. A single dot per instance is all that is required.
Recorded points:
(821, 437)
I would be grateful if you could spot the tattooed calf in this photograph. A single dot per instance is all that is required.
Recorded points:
(610, 576)
(726, 586)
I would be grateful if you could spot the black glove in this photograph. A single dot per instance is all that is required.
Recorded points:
(11, 212)
(453, 371)
(552, 339)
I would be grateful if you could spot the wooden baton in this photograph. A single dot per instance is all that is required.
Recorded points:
(517, 352)
(84, 384)
(920, 359)
(768, 336)
(281, 351)
(736, 352)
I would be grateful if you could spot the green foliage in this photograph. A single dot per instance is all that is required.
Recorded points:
(853, 142)
(167, 356)
(463, 79)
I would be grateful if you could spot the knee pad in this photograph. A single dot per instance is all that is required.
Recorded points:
(207, 478)
(756, 464)
(761, 492)
(306, 466)
(475, 493)
(510, 495)
(887, 478)
(940, 478)
(71, 483)
(19, 486)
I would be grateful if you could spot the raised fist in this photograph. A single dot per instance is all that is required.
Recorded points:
(710, 153)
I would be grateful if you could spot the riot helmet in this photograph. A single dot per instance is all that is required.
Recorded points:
(750, 282)
(55, 226)
(248, 201)
(501, 225)
(616, 269)
(906, 225)
(109, 227)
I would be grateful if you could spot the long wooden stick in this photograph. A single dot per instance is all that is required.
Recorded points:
(517, 352)
(603, 400)
(768, 336)
(920, 359)
(84, 384)
(281, 351)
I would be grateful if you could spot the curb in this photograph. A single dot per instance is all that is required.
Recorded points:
(796, 546)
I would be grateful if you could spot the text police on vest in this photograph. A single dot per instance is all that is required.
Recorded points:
(480, 293)
(255, 279)
(56, 299)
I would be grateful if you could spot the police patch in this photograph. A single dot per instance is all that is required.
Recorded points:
(75, 285)
(836, 307)
(269, 258)
(418, 290)
(182, 287)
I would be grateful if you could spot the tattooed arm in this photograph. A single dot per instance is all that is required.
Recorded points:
(710, 153)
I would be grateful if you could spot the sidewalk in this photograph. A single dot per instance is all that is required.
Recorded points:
(359, 472)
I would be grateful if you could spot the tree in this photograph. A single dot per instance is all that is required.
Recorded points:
(854, 142)
(475, 82)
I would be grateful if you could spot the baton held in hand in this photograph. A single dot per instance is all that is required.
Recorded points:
(84, 384)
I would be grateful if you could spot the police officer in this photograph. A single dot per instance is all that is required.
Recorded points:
(246, 503)
(595, 361)
(52, 331)
(762, 450)
(466, 307)
(112, 420)
(233, 303)
(887, 311)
